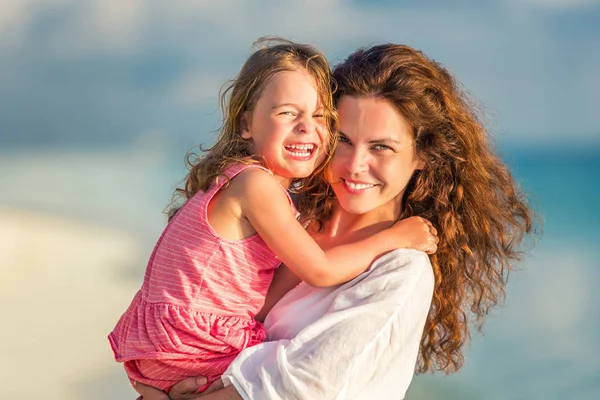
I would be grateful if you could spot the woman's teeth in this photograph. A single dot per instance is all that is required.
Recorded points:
(359, 186)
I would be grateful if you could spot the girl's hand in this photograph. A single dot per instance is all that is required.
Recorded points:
(417, 233)
(187, 389)
(149, 392)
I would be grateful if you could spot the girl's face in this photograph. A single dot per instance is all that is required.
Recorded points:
(287, 126)
(375, 157)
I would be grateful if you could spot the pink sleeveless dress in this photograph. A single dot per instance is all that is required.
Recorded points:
(195, 310)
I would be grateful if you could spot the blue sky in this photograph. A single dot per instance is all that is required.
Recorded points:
(111, 72)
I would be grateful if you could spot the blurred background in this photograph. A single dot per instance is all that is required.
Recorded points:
(101, 99)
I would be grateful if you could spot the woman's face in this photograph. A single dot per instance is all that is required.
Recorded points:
(375, 157)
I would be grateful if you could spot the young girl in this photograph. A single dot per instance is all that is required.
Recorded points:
(210, 270)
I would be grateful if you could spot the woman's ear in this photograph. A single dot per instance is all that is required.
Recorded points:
(420, 163)
(245, 124)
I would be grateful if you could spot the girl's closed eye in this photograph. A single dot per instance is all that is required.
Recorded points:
(343, 139)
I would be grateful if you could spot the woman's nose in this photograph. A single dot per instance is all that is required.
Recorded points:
(358, 161)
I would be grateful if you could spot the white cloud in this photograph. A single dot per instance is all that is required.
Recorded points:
(564, 4)
(501, 52)
(101, 26)
(117, 22)
(16, 16)
(198, 89)
(14, 19)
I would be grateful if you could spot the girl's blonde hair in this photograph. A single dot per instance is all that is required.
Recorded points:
(274, 55)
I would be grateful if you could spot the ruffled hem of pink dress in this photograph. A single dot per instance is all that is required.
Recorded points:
(166, 331)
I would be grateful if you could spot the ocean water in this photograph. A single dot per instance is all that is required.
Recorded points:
(541, 344)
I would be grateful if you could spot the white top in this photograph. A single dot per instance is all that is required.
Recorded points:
(359, 340)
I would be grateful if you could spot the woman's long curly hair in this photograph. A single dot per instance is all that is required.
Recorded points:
(465, 190)
(273, 55)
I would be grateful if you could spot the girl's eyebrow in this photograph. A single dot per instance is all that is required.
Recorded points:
(294, 105)
(276, 106)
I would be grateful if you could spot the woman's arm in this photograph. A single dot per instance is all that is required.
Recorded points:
(187, 389)
(371, 324)
(228, 393)
(267, 208)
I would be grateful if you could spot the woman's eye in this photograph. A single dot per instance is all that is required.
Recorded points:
(318, 116)
(290, 113)
(343, 139)
(381, 147)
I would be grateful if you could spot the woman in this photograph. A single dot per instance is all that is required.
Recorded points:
(409, 144)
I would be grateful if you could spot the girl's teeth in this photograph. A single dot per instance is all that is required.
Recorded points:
(301, 146)
(300, 150)
(300, 154)
(359, 186)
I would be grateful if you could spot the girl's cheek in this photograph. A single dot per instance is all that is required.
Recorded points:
(323, 132)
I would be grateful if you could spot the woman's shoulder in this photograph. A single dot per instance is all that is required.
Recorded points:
(399, 272)
(406, 259)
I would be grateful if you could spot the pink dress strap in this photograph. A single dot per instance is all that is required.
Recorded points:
(233, 170)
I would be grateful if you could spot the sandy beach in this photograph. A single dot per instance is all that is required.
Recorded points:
(63, 283)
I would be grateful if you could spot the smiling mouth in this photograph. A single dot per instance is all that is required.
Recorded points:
(357, 187)
(301, 151)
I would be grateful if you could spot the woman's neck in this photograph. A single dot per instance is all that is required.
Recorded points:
(344, 227)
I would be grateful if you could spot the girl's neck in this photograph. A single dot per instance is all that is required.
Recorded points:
(283, 181)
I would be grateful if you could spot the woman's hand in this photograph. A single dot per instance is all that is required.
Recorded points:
(187, 389)
(216, 385)
(149, 392)
(417, 233)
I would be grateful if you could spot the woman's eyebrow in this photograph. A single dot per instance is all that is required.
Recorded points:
(385, 141)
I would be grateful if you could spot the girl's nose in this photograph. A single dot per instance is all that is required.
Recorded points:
(306, 125)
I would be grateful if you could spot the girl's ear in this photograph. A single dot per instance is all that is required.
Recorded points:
(245, 130)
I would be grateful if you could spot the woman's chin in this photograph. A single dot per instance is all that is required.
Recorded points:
(356, 207)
